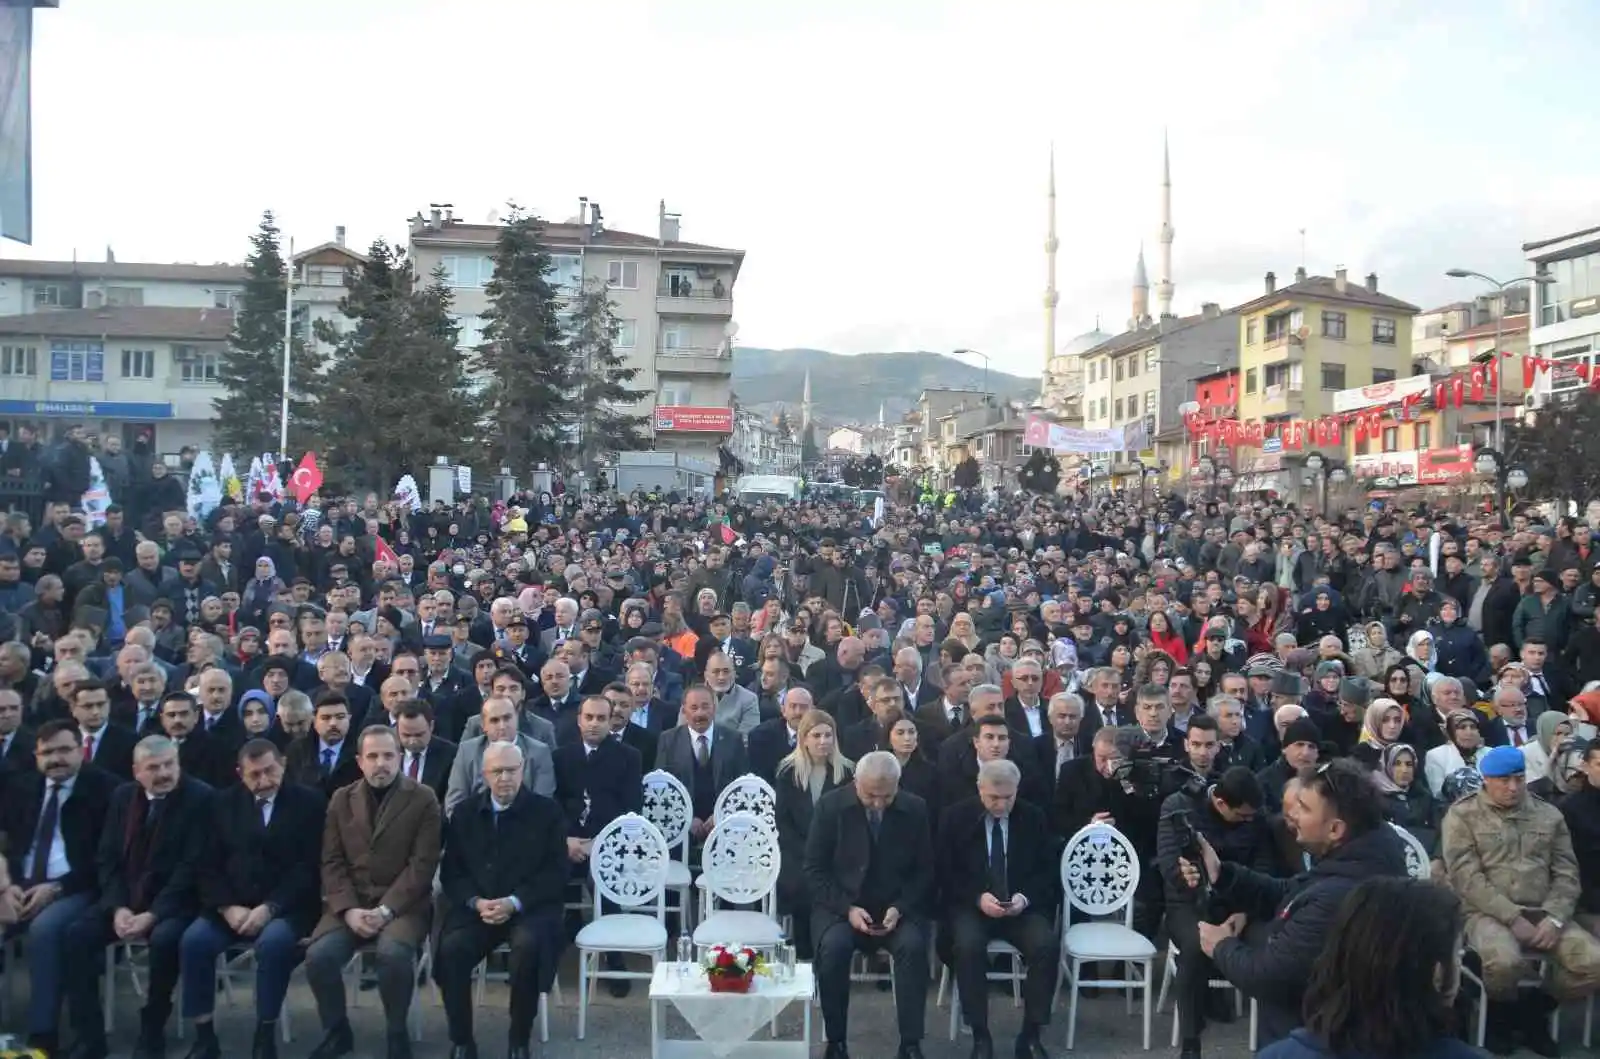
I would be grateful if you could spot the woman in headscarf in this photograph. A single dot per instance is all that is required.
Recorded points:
(1549, 729)
(1419, 652)
(1384, 722)
(261, 592)
(1322, 619)
(1463, 744)
(1323, 698)
(1397, 686)
(1406, 799)
(1564, 775)
(1374, 660)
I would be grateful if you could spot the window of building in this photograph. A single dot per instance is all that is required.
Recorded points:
(1149, 402)
(1250, 332)
(77, 362)
(1250, 380)
(1119, 370)
(1332, 324)
(675, 393)
(195, 365)
(226, 299)
(138, 364)
(1382, 375)
(1424, 435)
(1391, 439)
(19, 360)
(467, 270)
(48, 296)
(674, 336)
(567, 275)
(469, 332)
(1333, 376)
(1103, 407)
(1118, 416)
(627, 334)
(332, 275)
(623, 275)
(1149, 360)
(124, 295)
(1133, 365)
(1383, 330)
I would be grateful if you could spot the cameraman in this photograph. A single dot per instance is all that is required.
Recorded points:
(1227, 814)
(1338, 818)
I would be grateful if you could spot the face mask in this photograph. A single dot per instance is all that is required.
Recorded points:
(459, 569)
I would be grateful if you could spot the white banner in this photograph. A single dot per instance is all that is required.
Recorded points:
(205, 488)
(98, 496)
(463, 479)
(1039, 432)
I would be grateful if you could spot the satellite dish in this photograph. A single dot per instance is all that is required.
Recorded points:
(493, 218)
(1189, 408)
(731, 330)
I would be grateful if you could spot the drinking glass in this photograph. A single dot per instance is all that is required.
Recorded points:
(685, 955)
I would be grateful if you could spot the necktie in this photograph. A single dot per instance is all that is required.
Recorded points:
(1518, 736)
(702, 751)
(211, 720)
(327, 762)
(955, 716)
(415, 767)
(874, 822)
(997, 861)
(264, 806)
(45, 836)
(88, 749)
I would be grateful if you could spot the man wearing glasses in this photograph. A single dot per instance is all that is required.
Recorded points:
(1026, 710)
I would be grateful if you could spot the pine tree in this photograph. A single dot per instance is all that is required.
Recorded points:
(251, 369)
(604, 395)
(783, 426)
(397, 395)
(1559, 448)
(528, 374)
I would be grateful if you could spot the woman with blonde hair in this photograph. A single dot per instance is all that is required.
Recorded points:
(813, 768)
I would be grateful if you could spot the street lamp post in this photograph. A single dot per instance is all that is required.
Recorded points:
(1499, 317)
(1493, 461)
(985, 356)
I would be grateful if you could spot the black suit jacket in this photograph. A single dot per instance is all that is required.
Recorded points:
(279, 865)
(125, 714)
(794, 809)
(113, 751)
(176, 851)
(227, 733)
(610, 777)
(18, 757)
(863, 738)
(82, 817)
(934, 727)
(201, 757)
(847, 706)
(1092, 723)
(958, 769)
(1017, 717)
(1031, 864)
(303, 764)
(926, 693)
(1044, 750)
(767, 745)
(644, 741)
(522, 855)
(436, 762)
(840, 851)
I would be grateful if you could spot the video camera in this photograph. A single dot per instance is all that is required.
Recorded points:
(1141, 772)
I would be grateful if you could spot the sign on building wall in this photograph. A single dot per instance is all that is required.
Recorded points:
(694, 418)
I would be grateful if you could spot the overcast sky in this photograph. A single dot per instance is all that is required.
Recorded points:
(881, 163)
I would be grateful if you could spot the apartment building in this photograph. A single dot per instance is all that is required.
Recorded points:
(1566, 311)
(933, 410)
(761, 447)
(673, 300)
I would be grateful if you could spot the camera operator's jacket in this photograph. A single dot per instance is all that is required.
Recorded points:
(1249, 844)
(1274, 970)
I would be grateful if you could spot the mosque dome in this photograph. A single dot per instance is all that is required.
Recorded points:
(1074, 347)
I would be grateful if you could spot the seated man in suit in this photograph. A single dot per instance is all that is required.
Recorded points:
(987, 736)
(870, 870)
(908, 671)
(218, 717)
(106, 746)
(650, 710)
(998, 873)
(140, 710)
(625, 731)
(427, 757)
(948, 713)
(1059, 744)
(886, 700)
(16, 740)
(736, 707)
(151, 846)
(504, 874)
(259, 886)
(597, 779)
(772, 740)
(507, 684)
(180, 717)
(52, 820)
(705, 757)
(380, 848)
(498, 722)
(1026, 710)
(325, 758)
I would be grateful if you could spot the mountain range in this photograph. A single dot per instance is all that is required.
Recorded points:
(848, 389)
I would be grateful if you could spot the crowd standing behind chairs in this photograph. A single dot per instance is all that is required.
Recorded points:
(253, 734)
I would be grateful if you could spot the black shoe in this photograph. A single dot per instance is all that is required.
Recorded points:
(518, 1051)
(206, 1045)
(982, 1045)
(1191, 1050)
(464, 1051)
(337, 1042)
(1498, 1038)
(836, 1050)
(89, 1050)
(399, 1045)
(151, 1045)
(1029, 1046)
(909, 1050)
(265, 1045)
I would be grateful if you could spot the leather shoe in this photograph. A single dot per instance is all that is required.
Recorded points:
(1029, 1046)
(338, 1042)
(87, 1050)
(982, 1046)
(518, 1051)
(909, 1050)
(265, 1045)
(399, 1046)
(150, 1046)
(836, 1050)
(207, 1047)
(464, 1051)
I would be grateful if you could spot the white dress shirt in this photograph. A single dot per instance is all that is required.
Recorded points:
(58, 864)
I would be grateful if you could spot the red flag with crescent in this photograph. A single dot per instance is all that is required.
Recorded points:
(307, 478)
(381, 550)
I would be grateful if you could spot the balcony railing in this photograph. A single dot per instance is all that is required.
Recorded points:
(710, 290)
(693, 351)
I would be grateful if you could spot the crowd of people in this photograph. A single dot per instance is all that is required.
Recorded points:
(313, 730)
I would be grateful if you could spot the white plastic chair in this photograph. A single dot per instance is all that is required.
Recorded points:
(1016, 976)
(1417, 865)
(1170, 973)
(628, 867)
(747, 794)
(740, 865)
(419, 972)
(482, 974)
(1099, 875)
(668, 805)
(135, 957)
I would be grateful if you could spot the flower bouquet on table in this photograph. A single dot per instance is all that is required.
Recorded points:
(731, 968)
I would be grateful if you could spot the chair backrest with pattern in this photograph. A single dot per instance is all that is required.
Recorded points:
(667, 804)
(748, 794)
(1417, 865)
(628, 864)
(741, 859)
(1099, 873)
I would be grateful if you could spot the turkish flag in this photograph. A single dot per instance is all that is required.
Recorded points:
(1458, 390)
(1530, 369)
(307, 478)
(727, 534)
(381, 550)
(1476, 376)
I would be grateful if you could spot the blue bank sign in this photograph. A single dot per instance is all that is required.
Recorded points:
(103, 409)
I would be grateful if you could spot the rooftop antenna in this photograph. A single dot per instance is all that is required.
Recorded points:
(1302, 248)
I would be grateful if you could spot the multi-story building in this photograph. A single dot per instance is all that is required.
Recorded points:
(761, 446)
(673, 301)
(933, 408)
(1433, 332)
(1566, 311)
(128, 347)
(906, 448)
(1301, 344)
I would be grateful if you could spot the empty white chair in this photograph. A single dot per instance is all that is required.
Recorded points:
(740, 864)
(667, 804)
(628, 867)
(1417, 865)
(747, 794)
(1099, 874)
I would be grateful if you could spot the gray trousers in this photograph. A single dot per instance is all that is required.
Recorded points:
(327, 958)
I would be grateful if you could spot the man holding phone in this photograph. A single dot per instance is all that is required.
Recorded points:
(869, 865)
